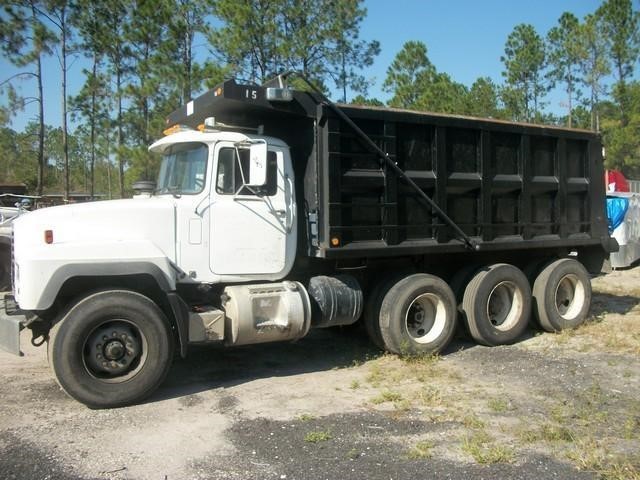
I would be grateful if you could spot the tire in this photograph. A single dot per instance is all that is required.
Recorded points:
(562, 295)
(461, 279)
(497, 305)
(112, 348)
(533, 268)
(372, 306)
(418, 315)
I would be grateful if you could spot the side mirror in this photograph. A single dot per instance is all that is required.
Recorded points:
(258, 164)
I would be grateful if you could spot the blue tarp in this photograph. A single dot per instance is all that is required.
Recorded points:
(616, 210)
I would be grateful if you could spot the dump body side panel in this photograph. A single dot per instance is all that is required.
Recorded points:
(508, 186)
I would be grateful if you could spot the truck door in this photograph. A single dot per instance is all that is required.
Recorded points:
(253, 230)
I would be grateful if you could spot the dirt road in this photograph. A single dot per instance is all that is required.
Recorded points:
(332, 407)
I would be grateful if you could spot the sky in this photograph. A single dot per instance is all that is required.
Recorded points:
(464, 38)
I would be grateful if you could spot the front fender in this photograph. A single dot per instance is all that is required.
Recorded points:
(40, 274)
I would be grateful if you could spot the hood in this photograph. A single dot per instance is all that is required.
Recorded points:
(151, 219)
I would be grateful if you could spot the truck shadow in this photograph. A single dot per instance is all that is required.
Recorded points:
(208, 368)
(602, 303)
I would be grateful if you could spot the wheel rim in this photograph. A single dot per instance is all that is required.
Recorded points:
(504, 305)
(569, 297)
(426, 318)
(114, 351)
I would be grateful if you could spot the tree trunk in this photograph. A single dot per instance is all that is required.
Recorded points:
(570, 91)
(65, 144)
(93, 128)
(41, 127)
(120, 137)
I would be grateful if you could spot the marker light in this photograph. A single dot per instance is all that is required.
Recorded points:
(335, 241)
(279, 94)
(48, 236)
(176, 129)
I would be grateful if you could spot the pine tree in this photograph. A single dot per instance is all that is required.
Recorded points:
(563, 49)
(525, 60)
(24, 39)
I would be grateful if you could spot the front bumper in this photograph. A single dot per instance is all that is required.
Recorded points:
(11, 323)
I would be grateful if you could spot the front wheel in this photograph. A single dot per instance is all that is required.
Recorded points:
(112, 348)
(418, 315)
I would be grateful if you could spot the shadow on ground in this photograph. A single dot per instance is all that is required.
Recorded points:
(602, 303)
(208, 368)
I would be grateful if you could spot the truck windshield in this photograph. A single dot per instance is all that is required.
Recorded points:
(183, 169)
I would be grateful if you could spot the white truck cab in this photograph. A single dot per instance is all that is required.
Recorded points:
(242, 222)
(204, 223)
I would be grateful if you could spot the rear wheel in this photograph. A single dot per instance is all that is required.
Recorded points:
(497, 304)
(418, 315)
(372, 306)
(112, 348)
(562, 295)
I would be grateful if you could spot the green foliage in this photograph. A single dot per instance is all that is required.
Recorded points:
(622, 139)
(142, 65)
(621, 29)
(319, 38)
(482, 100)
(564, 53)
(524, 60)
(364, 101)
(318, 436)
(409, 71)
(415, 83)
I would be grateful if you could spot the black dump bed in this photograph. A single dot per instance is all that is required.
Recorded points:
(507, 186)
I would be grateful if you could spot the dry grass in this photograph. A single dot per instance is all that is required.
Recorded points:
(421, 450)
(484, 450)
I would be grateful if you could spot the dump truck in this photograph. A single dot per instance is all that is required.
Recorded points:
(277, 211)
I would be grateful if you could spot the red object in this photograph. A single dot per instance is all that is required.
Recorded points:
(615, 181)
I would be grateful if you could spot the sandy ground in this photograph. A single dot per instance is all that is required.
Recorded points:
(331, 406)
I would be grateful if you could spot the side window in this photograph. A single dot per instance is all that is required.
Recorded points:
(232, 172)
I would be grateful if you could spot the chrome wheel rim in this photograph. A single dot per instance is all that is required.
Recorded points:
(426, 318)
(569, 296)
(504, 305)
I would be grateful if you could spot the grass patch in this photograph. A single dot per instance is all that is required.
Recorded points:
(318, 436)
(386, 396)
(430, 396)
(620, 335)
(306, 417)
(421, 450)
(353, 454)
(631, 428)
(355, 384)
(481, 447)
(473, 421)
(498, 405)
(548, 433)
